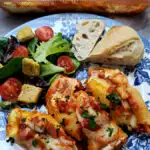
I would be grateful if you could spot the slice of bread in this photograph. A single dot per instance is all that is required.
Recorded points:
(89, 31)
(121, 45)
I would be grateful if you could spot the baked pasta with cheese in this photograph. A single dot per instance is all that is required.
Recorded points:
(34, 130)
(101, 113)
(101, 131)
(111, 88)
(60, 101)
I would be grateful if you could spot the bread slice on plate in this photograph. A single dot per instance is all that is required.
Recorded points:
(89, 31)
(121, 45)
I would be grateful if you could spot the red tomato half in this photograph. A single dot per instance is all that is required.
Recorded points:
(20, 51)
(66, 62)
(10, 89)
(44, 33)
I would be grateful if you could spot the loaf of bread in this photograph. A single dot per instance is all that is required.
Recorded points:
(88, 33)
(121, 45)
(106, 6)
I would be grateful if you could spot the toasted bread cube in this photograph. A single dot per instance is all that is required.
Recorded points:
(29, 94)
(30, 67)
(25, 34)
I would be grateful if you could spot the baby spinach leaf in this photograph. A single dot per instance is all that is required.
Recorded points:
(13, 66)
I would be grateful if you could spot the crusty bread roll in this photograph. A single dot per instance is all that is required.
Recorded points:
(106, 6)
(89, 31)
(121, 45)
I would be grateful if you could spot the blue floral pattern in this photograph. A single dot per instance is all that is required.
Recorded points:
(65, 23)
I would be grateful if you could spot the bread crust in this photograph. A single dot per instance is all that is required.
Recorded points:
(96, 6)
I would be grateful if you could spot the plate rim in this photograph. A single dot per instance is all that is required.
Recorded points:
(60, 15)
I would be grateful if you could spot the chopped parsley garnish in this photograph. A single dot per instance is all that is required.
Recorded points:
(98, 98)
(47, 141)
(67, 97)
(110, 131)
(45, 130)
(85, 114)
(81, 107)
(97, 113)
(23, 119)
(11, 140)
(92, 122)
(43, 119)
(103, 106)
(35, 142)
(63, 122)
(114, 98)
(77, 122)
(69, 113)
(57, 130)
(89, 93)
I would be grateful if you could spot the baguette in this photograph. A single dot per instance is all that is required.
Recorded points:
(121, 45)
(89, 31)
(97, 6)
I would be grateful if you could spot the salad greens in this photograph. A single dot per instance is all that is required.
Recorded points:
(52, 48)
(12, 44)
(55, 45)
(7, 104)
(49, 69)
(3, 46)
(32, 46)
(53, 78)
(13, 66)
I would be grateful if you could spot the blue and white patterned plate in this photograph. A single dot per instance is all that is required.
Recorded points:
(140, 77)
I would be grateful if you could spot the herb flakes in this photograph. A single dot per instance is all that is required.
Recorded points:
(110, 131)
(63, 122)
(67, 97)
(85, 114)
(103, 106)
(35, 142)
(11, 140)
(114, 97)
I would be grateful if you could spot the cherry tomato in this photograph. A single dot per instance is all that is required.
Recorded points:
(66, 62)
(20, 51)
(44, 33)
(10, 89)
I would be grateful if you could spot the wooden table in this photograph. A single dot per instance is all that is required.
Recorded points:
(140, 22)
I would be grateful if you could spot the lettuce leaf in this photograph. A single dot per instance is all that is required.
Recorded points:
(53, 78)
(50, 69)
(55, 45)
